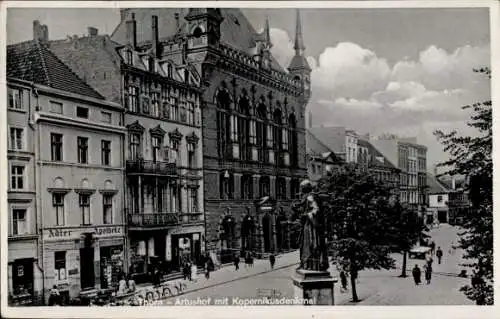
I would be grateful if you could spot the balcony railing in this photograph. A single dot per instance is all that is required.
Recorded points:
(151, 167)
(163, 219)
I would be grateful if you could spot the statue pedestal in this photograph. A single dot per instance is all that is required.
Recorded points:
(314, 286)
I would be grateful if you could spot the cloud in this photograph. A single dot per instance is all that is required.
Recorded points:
(354, 88)
(350, 71)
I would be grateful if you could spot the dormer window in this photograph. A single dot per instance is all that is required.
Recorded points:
(129, 57)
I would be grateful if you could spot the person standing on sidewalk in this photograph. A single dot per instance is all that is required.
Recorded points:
(416, 274)
(236, 262)
(433, 248)
(343, 281)
(272, 260)
(428, 273)
(439, 255)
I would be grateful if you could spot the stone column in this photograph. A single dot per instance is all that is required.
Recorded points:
(256, 189)
(288, 192)
(272, 186)
(237, 186)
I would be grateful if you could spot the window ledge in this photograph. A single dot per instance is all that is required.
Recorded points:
(17, 110)
(22, 237)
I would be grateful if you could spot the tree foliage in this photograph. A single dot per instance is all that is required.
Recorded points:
(472, 157)
(360, 216)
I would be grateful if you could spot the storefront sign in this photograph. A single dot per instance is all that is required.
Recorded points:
(56, 234)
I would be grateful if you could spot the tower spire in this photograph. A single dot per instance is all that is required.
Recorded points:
(267, 33)
(299, 41)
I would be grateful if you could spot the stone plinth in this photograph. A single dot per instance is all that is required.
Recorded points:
(317, 286)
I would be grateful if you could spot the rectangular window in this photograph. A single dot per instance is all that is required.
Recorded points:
(133, 99)
(17, 177)
(19, 222)
(440, 198)
(183, 113)
(82, 112)
(284, 139)
(60, 265)
(56, 147)
(58, 204)
(15, 99)
(174, 109)
(106, 117)
(156, 143)
(83, 145)
(107, 209)
(234, 129)
(135, 146)
(193, 200)
(253, 133)
(155, 105)
(191, 155)
(56, 107)
(174, 151)
(106, 152)
(190, 113)
(16, 138)
(85, 208)
(270, 139)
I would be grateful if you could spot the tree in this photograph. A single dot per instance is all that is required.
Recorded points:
(359, 218)
(409, 230)
(472, 157)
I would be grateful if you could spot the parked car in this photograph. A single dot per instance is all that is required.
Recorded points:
(419, 252)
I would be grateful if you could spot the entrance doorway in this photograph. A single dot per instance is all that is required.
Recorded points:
(22, 276)
(443, 216)
(267, 232)
(87, 276)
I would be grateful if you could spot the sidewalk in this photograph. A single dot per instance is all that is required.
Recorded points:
(227, 273)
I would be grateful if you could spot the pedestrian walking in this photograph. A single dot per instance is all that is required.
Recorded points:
(343, 281)
(428, 273)
(185, 270)
(122, 286)
(272, 260)
(416, 274)
(207, 268)
(54, 297)
(236, 262)
(130, 284)
(157, 276)
(251, 260)
(433, 248)
(189, 272)
(439, 255)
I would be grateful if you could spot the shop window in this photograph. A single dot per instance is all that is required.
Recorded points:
(60, 265)
(22, 277)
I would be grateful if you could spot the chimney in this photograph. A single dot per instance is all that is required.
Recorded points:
(177, 22)
(40, 32)
(92, 31)
(132, 31)
(154, 35)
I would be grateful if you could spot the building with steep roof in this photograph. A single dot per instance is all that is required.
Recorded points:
(251, 115)
(65, 196)
(447, 198)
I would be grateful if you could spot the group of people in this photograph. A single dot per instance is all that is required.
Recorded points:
(416, 272)
(126, 285)
(190, 270)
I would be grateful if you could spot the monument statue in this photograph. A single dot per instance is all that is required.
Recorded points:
(313, 254)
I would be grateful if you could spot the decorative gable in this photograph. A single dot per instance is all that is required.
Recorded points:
(175, 135)
(192, 138)
(135, 127)
(157, 131)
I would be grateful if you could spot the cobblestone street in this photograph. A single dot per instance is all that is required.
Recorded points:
(374, 287)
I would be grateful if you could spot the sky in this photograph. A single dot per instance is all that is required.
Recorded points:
(401, 71)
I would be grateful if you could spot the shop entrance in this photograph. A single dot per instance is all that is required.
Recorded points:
(87, 276)
(22, 277)
(184, 247)
(111, 265)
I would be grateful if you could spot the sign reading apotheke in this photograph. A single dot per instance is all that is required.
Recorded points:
(55, 234)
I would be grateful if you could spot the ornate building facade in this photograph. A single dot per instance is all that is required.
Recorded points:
(252, 119)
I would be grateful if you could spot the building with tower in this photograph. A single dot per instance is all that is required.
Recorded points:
(253, 120)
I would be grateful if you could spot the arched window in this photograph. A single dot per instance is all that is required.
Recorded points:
(264, 186)
(278, 138)
(197, 32)
(261, 132)
(293, 140)
(226, 128)
(244, 128)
